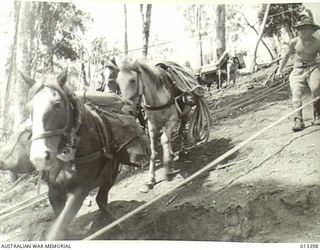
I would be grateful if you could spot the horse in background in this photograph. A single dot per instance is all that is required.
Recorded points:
(154, 88)
(14, 155)
(109, 76)
(228, 67)
(71, 169)
(233, 65)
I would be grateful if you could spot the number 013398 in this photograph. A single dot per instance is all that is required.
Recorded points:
(309, 245)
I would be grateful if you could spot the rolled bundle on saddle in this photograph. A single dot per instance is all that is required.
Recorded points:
(106, 100)
(131, 142)
(182, 79)
(185, 87)
(222, 61)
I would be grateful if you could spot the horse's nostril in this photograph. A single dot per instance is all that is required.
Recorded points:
(47, 157)
(131, 113)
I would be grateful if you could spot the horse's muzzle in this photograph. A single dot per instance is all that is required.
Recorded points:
(41, 157)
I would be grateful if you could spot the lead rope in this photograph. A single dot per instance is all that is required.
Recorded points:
(39, 182)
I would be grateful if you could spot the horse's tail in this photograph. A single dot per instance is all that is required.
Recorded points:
(199, 129)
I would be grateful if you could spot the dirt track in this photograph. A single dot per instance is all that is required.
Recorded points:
(273, 196)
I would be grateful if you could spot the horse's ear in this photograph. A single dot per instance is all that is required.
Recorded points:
(113, 61)
(27, 79)
(62, 77)
(112, 64)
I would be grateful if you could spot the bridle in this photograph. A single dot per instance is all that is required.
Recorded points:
(67, 127)
(74, 109)
(139, 93)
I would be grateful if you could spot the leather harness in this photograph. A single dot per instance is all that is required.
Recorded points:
(70, 131)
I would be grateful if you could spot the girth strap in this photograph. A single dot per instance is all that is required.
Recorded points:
(92, 157)
(167, 105)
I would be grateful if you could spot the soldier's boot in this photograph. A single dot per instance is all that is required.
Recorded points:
(298, 120)
(316, 112)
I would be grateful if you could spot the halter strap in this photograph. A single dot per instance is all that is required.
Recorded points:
(148, 107)
(63, 131)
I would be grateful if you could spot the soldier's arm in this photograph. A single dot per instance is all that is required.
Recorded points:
(289, 51)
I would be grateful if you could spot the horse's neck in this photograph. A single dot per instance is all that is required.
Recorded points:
(154, 91)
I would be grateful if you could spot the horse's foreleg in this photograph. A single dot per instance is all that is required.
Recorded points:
(235, 78)
(72, 206)
(182, 128)
(102, 196)
(165, 142)
(219, 83)
(152, 173)
(57, 198)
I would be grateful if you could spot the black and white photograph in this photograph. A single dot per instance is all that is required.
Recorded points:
(159, 121)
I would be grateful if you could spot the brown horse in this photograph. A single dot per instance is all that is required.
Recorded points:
(152, 84)
(72, 144)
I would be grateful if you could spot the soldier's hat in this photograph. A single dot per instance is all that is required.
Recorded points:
(307, 21)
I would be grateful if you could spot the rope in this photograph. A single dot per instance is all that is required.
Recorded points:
(32, 201)
(17, 186)
(222, 111)
(190, 178)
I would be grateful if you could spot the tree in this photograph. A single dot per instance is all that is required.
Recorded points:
(281, 16)
(15, 89)
(199, 28)
(146, 22)
(220, 29)
(263, 42)
(46, 35)
(253, 63)
(200, 24)
(125, 29)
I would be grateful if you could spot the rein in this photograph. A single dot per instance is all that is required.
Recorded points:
(68, 153)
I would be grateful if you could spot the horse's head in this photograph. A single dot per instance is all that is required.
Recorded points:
(112, 71)
(50, 112)
(130, 86)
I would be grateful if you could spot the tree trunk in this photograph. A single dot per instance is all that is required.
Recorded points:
(263, 42)
(220, 30)
(16, 89)
(254, 58)
(200, 33)
(125, 29)
(289, 31)
(146, 21)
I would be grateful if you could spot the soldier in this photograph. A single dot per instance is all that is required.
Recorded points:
(306, 69)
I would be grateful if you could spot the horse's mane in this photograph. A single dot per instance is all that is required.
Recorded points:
(151, 71)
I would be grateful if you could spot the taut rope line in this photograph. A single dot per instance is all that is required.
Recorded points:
(204, 169)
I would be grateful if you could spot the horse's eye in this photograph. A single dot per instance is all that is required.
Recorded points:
(132, 81)
(56, 105)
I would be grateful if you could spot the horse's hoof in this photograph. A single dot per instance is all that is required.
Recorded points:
(146, 188)
(171, 175)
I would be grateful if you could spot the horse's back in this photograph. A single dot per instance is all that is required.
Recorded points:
(107, 100)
